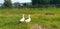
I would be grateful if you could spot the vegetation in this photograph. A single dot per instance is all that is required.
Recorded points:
(7, 3)
(34, 2)
(17, 4)
(48, 18)
(9, 18)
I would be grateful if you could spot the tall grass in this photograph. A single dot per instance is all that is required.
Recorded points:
(9, 18)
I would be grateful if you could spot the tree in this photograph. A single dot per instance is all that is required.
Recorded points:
(55, 2)
(46, 1)
(34, 2)
(16, 4)
(24, 4)
(38, 2)
(7, 3)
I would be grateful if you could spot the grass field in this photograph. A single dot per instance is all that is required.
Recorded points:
(48, 18)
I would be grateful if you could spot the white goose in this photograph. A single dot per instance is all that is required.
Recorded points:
(22, 20)
(28, 20)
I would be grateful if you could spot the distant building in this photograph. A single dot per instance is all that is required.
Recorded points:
(21, 4)
(27, 4)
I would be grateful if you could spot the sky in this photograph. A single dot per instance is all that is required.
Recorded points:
(20, 1)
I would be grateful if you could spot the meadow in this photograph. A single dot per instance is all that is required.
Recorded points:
(48, 18)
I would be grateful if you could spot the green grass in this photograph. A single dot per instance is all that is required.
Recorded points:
(9, 18)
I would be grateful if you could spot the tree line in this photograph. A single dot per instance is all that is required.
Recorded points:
(46, 3)
(8, 3)
(34, 2)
